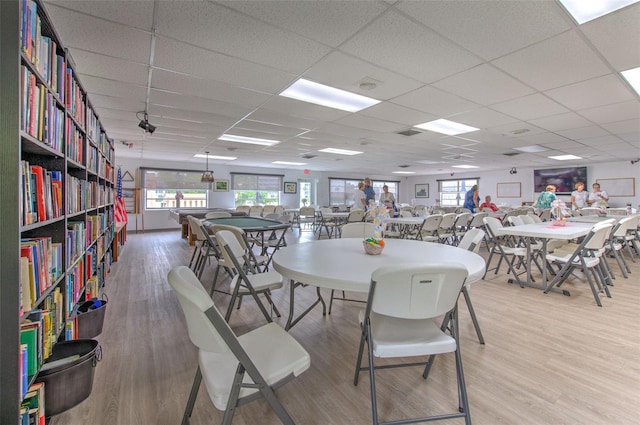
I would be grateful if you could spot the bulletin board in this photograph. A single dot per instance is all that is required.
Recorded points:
(622, 187)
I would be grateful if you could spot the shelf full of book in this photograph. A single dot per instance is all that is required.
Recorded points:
(57, 196)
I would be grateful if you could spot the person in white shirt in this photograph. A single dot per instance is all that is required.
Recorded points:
(359, 197)
(579, 197)
(598, 198)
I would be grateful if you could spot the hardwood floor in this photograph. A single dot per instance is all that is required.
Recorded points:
(548, 359)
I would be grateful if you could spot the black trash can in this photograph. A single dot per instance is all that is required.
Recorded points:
(90, 318)
(71, 379)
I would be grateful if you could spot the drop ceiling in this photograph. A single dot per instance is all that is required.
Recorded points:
(522, 72)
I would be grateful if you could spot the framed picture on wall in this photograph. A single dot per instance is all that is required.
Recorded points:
(290, 187)
(422, 190)
(221, 185)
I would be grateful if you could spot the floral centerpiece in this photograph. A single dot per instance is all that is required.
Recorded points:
(559, 211)
(375, 245)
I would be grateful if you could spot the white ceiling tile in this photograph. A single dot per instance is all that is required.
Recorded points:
(302, 109)
(583, 132)
(558, 61)
(595, 92)
(490, 28)
(195, 86)
(346, 72)
(101, 36)
(482, 118)
(543, 138)
(434, 101)
(194, 103)
(114, 88)
(601, 141)
(399, 44)
(483, 84)
(327, 22)
(611, 113)
(395, 113)
(368, 123)
(136, 14)
(623, 127)
(561, 122)
(109, 68)
(614, 44)
(180, 57)
(213, 27)
(530, 107)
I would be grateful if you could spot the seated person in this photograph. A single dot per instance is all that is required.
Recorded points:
(488, 204)
(386, 198)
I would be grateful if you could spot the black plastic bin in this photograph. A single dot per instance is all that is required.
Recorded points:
(67, 385)
(90, 319)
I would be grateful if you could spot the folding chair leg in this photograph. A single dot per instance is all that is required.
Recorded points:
(359, 361)
(472, 312)
(192, 397)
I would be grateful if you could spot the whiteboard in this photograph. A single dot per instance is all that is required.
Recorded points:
(623, 187)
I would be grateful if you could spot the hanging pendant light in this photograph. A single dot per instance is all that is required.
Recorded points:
(207, 176)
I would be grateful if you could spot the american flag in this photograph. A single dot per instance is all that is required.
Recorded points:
(121, 210)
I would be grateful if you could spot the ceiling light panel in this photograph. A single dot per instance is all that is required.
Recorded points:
(250, 140)
(465, 166)
(633, 77)
(531, 149)
(319, 94)
(224, 158)
(403, 172)
(588, 10)
(288, 163)
(450, 128)
(565, 157)
(340, 151)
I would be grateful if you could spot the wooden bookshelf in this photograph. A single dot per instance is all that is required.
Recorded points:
(57, 174)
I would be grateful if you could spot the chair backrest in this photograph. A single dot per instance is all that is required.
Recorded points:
(463, 219)
(448, 220)
(416, 292)
(589, 211)
(617, 211)
(355, 215)
(545, 214)
(268, 209)
(527, 219)
(217, 214)
(534, 218)
(360, 230)
(476, 221)
(307, 212)
(342, 208)
(195, 302)
(255, 211)
(194, 225)
(279, 209)
(471, 240)
(432, 222)
(406, 214)
(624, 224)
(492, 225)
(325, 210)
(598, 236)
(461, 210)
(243, 208)
(232, 249)
(515, 220)
(237, 231)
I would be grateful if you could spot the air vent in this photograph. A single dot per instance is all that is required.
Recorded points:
(309, 156)
(404, 166)
(520, 131)
(409, 132)
(511, 153)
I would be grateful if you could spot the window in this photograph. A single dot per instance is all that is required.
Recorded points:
(165, 188)
(256, 189)
(341, 190)
(452, 192)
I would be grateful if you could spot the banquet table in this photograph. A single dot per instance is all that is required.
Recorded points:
(341, 264)
(404, 224)
(545, 231)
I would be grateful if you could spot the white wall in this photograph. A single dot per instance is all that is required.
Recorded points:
(488, 185)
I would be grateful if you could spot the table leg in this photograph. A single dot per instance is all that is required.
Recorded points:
(291, 322)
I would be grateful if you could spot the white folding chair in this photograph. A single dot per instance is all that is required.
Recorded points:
(217, 214)
(399, 322)
(244, 282)
(236, 370)
(502, 249)
(446, 232)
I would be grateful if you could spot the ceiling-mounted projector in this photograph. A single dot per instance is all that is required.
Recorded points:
(146, 125)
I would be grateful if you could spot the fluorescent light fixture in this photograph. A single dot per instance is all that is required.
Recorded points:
(288, 163)
(447, 127)
(588, 10)
(633, 77)
(319, 94)
(465, 166)
(403, 172)
(340, 151)
(250, 140)
(428, 162)
(565, 157)
(531, 149)
(224, 158)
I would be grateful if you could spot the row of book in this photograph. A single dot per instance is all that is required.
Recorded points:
(76, 199)
(32, 408)
(40, 193)
(40, 267)
(41, 116)
(98, 195)
(74, 285)
(39, 333)
(40, 50)
(75, 241)
(74, 141)
(96, 225)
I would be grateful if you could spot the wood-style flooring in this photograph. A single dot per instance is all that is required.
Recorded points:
(548, 359)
